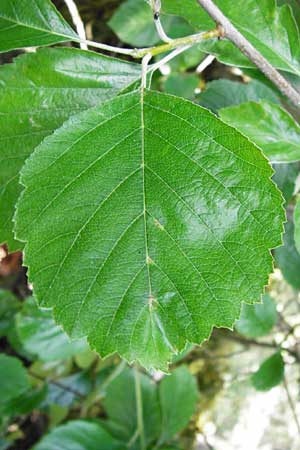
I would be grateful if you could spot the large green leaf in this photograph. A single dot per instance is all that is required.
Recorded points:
(257, 320)
(272, 30)
(26, 23)
(40, 335)
(120, 404)
(178, 396)
(161, 223)
(13, 379)
(79, 435)
(267, 125)
(269, 374)
(223, 93)
(38, 92)
(287, 258)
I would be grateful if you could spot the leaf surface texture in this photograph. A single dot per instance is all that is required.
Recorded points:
(162, 214)
(33, 103)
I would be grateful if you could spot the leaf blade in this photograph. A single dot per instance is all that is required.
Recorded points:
(36, 102)
(267, 125)
(30, 25)
(137, 321)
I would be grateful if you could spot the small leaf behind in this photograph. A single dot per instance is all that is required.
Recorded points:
(269, 374)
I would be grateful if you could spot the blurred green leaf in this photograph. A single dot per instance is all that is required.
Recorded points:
(178, 396)
(133, 23)
(285, 177)
(120, 406)
(79, 435)
(13, 379)
(86, 358)
(269, 374)
(257, 320)
(182, 85)
(42, 337)
(287, 258)
(27, 401)
(267, 125)
(295, 5)
(65, 393)
(9, 306)
(223, 93)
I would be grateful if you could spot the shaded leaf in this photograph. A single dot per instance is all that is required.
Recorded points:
(133, 23)
(170, 216)
(9, 306)
(27, 401)
(183, 85)
(13, 379)
(120, 404)
(269, 374)
(267, 125)
(30, 23)
(38, 92)
(42, 337)
(223, 93)
(64, 393)
(178, 394)
(287, 258)
(257, 320)
(79, 435)
(285, 177)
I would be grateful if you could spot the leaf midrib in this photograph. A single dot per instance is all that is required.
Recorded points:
(43, 30)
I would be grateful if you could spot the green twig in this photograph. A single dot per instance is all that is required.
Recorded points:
(157, 50)
(139, 407)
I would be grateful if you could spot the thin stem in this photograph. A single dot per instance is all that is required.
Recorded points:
(109, 48)
(205, 63)
(231, 33)
(77, 22)
(248, 341)
(168, 58)
(157, 50)
(139, 407)
(114, 374)
(145, 62)
(291, 403)
(156, 7)
(159, 28)
(180, 42)
(58, 384)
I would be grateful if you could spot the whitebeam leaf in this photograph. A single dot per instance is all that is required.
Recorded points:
(25, 23)
(38, 93)
(147, 223)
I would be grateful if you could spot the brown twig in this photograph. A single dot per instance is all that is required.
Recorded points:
(231, 33)
(248, 341)
(291, 403)
(58, 384)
